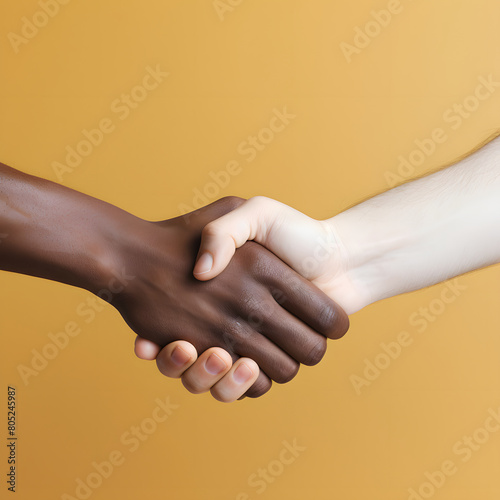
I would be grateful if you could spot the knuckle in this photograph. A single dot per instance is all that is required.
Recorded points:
(296, 287)
(193, 386)
(292, 287)
(287, 372)
(231, 202)
(259, 387)
(333, 321)
(260, 201)
(254, 250)
(211, 229)
(256, 311)
(316, 354)
(233, 336)
(258, 260)
(221, 395)
(163, 366)
(327, 318)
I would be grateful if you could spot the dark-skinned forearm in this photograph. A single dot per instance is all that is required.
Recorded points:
(54, 232)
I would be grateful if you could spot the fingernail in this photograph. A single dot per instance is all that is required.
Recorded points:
(179, 356)
(214, 364)
(242, 374)
(205, 263)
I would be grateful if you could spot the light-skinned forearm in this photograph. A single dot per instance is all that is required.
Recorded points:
(425, 231)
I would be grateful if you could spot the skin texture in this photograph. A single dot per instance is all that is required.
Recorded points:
(258, 309)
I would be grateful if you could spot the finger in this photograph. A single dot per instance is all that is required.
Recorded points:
(145, 349)
(244, 341)
(208, 369)
(293, 336)
(305, 301)
(237, 381)
(259, 387)
(175, 358)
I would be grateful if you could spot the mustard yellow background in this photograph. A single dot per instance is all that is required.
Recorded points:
(353, 120)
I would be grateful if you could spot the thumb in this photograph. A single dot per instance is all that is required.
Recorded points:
(221, 238)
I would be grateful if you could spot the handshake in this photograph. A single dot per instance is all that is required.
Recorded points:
(253, 315)
(239, 293)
